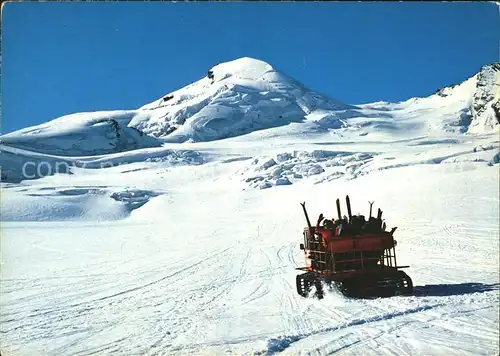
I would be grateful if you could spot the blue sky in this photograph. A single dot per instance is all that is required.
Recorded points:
(65, 57)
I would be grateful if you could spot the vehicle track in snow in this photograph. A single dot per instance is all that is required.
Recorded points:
(283, 342)
(44, 322)
(204, 304)
(198, 297)
(430, 311)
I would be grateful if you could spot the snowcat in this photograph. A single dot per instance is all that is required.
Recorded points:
(354, 255)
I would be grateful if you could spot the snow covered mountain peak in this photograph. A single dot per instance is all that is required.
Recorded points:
(490, 69)
(243, 68)
(235, 98)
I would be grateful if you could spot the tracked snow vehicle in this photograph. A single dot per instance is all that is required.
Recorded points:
(353, 254)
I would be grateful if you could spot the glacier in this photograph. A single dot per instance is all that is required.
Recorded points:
(174, 228)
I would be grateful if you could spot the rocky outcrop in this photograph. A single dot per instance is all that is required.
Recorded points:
(486, 100)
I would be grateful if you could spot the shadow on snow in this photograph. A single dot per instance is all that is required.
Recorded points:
(442, 290)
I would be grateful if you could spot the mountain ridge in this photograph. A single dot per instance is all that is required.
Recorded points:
(245, 95)
(235, 98)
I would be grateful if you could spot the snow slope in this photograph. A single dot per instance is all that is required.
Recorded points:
(468, 107)
(191, 248)
(207, 265)
(93, 133)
